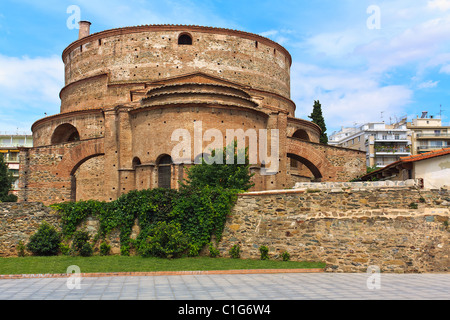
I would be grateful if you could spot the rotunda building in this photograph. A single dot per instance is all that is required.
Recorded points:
(130, 92)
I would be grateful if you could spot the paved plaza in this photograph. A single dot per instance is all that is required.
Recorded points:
(299, 286)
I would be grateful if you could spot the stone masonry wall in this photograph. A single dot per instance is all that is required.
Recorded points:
(349, 230)
(18, 221)
(398, 229)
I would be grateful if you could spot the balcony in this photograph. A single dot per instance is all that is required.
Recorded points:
(392, 150)
(421, 149)
(442, 136)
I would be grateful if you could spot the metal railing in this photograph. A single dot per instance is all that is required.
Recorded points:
(432, 147)
(433, 135)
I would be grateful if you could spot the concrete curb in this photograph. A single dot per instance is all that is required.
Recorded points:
(159, 273)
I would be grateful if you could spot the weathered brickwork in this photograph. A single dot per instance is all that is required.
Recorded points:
(349, 230)
(127, 90)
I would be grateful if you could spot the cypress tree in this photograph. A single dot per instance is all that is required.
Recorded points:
(317, 118)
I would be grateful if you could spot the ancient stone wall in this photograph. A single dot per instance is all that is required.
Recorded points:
(18, 221)
(397, 228)
(349, 230)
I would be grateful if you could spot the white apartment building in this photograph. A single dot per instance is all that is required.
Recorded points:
(428, 134)
(382, 143)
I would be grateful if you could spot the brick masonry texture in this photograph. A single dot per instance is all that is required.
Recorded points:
(127, 90)
(348, 230)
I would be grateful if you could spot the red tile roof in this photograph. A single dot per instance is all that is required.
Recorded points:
(428, 155)
(413, 158)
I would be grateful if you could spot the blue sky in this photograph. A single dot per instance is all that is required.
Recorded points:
(359, 73)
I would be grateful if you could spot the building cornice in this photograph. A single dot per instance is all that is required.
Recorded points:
(171, 27)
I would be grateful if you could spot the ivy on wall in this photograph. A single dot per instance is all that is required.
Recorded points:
(171, 222)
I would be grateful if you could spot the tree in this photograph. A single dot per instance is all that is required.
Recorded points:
(228, 176)
(5, 180)
(317, 118)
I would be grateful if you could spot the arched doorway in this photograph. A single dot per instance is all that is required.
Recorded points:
(165, 172)
(305, 167)
(65, 133)
(86, 179)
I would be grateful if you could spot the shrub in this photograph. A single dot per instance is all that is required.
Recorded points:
(285, 256)
(235, 251)
(125, 250)
(10, 198)
(228, 176)
(105, 249)
(80, 238)
(65, 249)
(20, 249)
(202, 213)
(86, 250)
(45, 242)
(165, 240)
(213, 251)
(264, 252)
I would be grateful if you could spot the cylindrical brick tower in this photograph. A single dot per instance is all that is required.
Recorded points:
(127, 90)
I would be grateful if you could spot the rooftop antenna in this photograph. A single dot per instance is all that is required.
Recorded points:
(440, 111)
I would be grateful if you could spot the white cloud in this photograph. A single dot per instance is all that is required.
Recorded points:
(282, 37)
(427, 84)
(417, 44)
(39, 78)
(347, 97)
(29, 87)
(445, 69)
(442, 5)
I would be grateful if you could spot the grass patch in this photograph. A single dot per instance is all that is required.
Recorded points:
(99, 264)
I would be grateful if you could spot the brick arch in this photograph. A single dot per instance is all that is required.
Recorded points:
(312, 158)
(77, 155)
(301, 134)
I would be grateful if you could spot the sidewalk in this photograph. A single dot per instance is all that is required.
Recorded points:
(264, 286)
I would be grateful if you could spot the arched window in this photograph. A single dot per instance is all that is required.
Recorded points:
(65, 133)
(165, 172)
(301, 134)
(136, 162)
(185, 39)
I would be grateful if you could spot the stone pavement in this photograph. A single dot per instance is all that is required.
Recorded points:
(289, 286)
